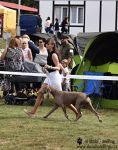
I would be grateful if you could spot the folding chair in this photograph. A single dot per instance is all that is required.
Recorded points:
(93, 88)
(108, 87)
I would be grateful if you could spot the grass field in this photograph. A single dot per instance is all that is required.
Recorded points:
(18, 132)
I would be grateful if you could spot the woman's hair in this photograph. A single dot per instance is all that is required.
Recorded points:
(43, 39)
(26, 36)
(48, 18)
(56, 19)
(14, 42)
(66, 18)
(54, 47)
(65, 61)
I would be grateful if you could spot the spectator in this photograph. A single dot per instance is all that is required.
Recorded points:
(20, 40)
(27, 54)
(56, 26)
(32, 46)
(64, 25)
(43, 49)
(47, 25)
(13, 57)
(39, 23)
(65, 71)
(54, 77)
(41, 58)
(66, 50)
(51, 29)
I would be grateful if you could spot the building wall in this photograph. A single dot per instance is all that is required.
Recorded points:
(92, 16)
(99, 16)
(45, 10)
(61, 2)
(108, 16)
(76, 2)
(75, 30)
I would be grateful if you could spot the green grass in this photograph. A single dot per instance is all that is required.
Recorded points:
(18, 132)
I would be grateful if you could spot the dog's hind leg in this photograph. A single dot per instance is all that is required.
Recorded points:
(77, 106)
(79, 115)
(65, 113)
(91, 108)
(51, 111)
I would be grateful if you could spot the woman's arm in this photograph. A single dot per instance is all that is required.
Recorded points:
(56, 62)
(30, 55)
(61, 67)
(33, 47)
(3, 54)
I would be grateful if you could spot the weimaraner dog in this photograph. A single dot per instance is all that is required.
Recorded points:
(65, 99)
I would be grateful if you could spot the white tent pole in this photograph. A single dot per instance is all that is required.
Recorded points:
(18, 22)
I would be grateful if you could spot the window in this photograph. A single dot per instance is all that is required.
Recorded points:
(60, 12)
(73, 14)
(77, 15)
(80, 15)
(64, 12)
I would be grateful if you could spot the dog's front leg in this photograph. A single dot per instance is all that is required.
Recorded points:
(51, 111)
(64, 110)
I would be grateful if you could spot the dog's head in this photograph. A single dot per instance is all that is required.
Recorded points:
(46, 89)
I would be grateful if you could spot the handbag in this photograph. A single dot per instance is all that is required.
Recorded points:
(40, 59)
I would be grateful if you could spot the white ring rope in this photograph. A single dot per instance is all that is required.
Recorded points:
(23, 73)
(90, 77)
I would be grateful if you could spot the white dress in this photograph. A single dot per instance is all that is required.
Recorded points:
(54, 79)
(25, 54)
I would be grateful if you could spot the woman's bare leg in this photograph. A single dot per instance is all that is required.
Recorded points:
(37, 103)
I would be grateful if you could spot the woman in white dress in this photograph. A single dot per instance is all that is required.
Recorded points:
(53, 76)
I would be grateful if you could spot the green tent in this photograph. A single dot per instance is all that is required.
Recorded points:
(101, 55)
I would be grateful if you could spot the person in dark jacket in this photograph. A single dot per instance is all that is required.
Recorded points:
(39, 23)
(47, 25)
(56, 26)
(64, 25)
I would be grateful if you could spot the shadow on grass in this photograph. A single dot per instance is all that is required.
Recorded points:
(37, 118)
(57, 119)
